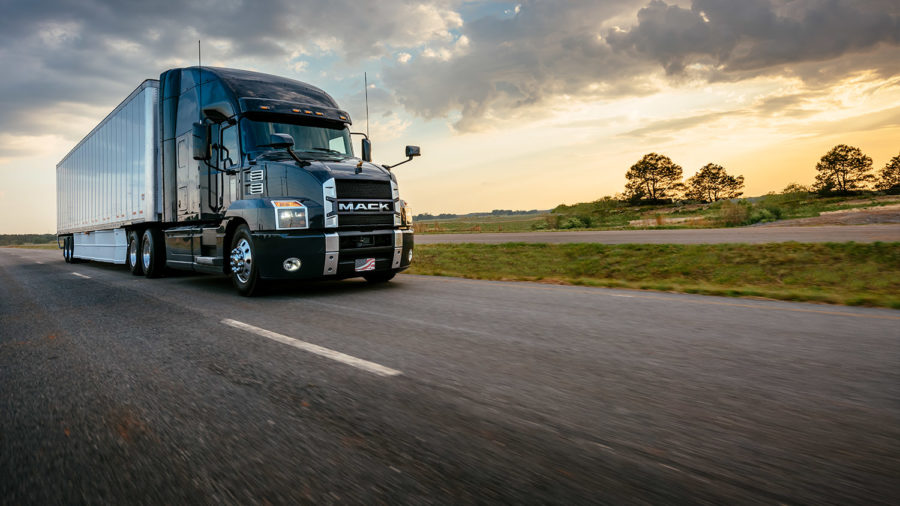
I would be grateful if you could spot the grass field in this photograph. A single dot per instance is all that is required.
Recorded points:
(837, 273)
(521, 223)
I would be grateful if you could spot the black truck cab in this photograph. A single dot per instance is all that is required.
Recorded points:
(260, 181)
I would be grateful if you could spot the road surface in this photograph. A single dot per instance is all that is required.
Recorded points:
(753, 235)
(117, 389)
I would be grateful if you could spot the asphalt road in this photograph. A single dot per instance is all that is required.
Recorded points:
(117, 389)
(752, 235)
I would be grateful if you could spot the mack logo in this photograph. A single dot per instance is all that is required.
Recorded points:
(365, 207)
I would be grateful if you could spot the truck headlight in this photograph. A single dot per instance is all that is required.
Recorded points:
(290, 214)
(407, 215)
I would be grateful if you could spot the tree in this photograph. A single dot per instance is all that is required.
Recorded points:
(654, 177)
(712, 183)
(843, 169)
(889, 176)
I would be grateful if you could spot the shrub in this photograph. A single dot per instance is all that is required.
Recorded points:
(732, 214)
(570, 222)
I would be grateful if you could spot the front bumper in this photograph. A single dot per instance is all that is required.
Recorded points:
(331, 255)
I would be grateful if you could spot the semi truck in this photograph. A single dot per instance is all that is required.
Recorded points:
(232, 172)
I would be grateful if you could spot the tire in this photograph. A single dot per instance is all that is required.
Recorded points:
(379, 277)
(67, 254)
(153, 253)
(133, 254)
(244, 272)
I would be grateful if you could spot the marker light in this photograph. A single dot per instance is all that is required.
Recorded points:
(264, 107)
(295, 110)
(320, 114)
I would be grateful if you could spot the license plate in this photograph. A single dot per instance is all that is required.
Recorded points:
(365, 264)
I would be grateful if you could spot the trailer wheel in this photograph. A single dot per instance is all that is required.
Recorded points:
(379, 277)
(67, 256)
(133, 255)
(244, 272)
(153, 253)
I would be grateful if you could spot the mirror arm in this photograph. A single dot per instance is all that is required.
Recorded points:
(389, 167)
(294, 155)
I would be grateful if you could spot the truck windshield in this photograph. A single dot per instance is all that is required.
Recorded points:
(312, 141)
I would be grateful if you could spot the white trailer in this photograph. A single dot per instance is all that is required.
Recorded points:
(110, 180)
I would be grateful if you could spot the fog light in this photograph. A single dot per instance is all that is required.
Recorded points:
(291, 264)
(410, 255)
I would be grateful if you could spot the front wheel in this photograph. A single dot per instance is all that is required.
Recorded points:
(244, 272)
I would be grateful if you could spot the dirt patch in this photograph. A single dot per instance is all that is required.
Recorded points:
(861, 216)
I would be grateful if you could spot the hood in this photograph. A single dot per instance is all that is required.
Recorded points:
(287, 178)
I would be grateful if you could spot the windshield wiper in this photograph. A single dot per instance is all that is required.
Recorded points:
(327, 150)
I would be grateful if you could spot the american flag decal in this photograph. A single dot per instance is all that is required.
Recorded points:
(365, 264)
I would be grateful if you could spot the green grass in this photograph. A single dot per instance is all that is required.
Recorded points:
(836, 273)
(522, 223)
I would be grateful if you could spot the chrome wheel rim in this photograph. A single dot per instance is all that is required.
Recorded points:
(241, 260)
(132, 253)
(145, 254)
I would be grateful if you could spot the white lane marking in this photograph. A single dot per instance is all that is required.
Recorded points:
(81, 275)
(359, 363)
(620, 295)
(37, 262)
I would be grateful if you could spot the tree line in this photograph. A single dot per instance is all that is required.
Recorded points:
(844, 169)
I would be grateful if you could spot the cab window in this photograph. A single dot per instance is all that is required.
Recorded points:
(230, 152)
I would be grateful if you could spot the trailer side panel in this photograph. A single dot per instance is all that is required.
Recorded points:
(109, 180)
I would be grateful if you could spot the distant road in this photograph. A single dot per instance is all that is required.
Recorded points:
(116, 389)
(753, 235)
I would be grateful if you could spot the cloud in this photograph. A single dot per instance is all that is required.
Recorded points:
(500, 65)
(669, 126)
(507, 63)
(757, 34)
(97, 51)
(514, 67)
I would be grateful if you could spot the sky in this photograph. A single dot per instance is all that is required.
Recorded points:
(515, 105)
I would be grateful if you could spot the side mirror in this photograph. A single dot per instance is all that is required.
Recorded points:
(201, 141)
(280, 141)
(366, 150)
(411, 152)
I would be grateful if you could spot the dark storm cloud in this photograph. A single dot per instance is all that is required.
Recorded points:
(87, 51)
(551, 49)
(94, 52)
(757, 34)
(503, 64)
